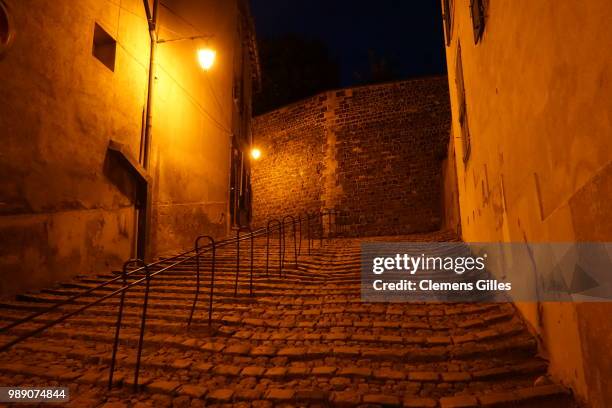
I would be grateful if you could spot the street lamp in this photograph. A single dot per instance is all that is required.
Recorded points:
(206, 55)
(206, 58)
(255, 153)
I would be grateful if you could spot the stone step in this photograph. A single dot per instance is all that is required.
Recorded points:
(338, 391)
(418, 317)
(375, 333)
(303, 338)
(221, 281)
(358, 319)
(262, 368)
(429, 351)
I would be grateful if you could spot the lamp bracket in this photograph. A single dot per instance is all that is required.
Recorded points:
(194, 37)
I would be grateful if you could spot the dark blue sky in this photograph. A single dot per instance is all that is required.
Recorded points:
(407, 31)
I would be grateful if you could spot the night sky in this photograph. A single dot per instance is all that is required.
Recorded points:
(408, 32)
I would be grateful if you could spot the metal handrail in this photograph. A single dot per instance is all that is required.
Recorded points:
(149, 275)
(242, 229)
(66, 316)
(142, 323)
(294, 239)
(280, 246)
(120, 316)
(308, 237)
(81, 294)
(71, 299)
(312, 231)
(212, 276)
(300, 243)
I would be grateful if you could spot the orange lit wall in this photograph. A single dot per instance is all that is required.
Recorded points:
(65, 207)
(538, 98)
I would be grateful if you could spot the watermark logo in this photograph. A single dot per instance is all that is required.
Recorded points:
(485, 272)
(411, 264)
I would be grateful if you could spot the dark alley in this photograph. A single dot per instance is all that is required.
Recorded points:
(262, 203)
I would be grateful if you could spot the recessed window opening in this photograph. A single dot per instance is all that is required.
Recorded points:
(463, 116)
(104, 47)
(6, 33)
(478, 12)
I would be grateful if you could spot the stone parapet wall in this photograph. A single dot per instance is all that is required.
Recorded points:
(373, 151)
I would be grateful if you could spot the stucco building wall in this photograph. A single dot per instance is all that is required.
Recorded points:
(538, 98)
(374, 152)
(66, 205)
(196, 114)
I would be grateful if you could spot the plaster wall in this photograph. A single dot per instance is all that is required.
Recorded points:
(66, 207)
(538, 97)
(63, 210)
(194, 119)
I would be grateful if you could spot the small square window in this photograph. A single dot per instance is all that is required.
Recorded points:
(104, 47)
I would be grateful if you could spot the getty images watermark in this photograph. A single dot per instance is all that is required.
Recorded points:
(487, 272)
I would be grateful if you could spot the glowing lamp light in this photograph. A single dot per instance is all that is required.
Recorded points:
(255, 153)
(206, 57)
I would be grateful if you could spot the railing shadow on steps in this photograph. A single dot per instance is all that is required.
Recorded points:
(146, 270)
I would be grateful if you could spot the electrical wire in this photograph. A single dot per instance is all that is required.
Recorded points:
(197, 104)
(223, 111)
(180, 17)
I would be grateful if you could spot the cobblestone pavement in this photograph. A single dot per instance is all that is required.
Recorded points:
(304, 339)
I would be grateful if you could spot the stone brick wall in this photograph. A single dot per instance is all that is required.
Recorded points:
(373, 151)
(289, 177)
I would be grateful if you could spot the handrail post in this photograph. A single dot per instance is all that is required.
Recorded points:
(295, 252)
(321, 232)
(237, 261)
(300, 225)
(252, 250)
(295, 249)
(197, 257)
(119, 318)
(142, 326)
(268, 232)
(283, 241)
(212, 284)
(267, 250)
(329, 231)
(281, 249)
(309, 236)
(250, 231)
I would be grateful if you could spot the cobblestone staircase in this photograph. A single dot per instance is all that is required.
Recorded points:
(303, 339)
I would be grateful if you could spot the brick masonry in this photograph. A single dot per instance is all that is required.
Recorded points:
(374, 151)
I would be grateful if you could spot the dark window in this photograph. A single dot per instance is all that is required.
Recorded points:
(240, 187)
(447, 15)
(237, 93)
(5, 28)
(104, 47)
(463, 116)
(477, 10)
